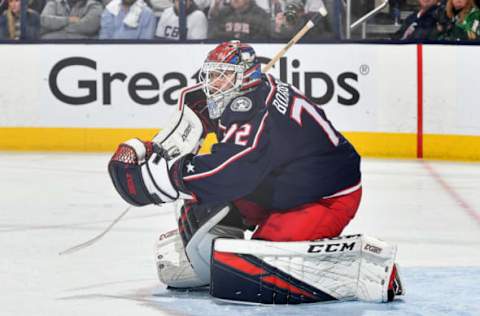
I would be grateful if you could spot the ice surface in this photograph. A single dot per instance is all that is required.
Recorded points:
(50, 202)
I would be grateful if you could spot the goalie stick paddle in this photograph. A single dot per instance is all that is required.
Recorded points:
(96, 238)
(322, 12)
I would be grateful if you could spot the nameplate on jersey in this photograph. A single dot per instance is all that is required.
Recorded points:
(241, 104)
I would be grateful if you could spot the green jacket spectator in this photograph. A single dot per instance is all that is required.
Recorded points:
(71, 19)
(464, 18)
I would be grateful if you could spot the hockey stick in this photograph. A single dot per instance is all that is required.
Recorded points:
(94, 239)
(322, 12)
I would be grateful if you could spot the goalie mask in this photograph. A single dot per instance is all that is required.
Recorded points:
(230, 70)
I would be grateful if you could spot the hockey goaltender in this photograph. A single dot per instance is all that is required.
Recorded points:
(280, 170)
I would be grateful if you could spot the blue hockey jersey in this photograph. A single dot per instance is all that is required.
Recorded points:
(277, 149)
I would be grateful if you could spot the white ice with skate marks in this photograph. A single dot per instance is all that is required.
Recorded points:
(50, 202)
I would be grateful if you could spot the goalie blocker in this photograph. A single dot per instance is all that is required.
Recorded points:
(342, 268)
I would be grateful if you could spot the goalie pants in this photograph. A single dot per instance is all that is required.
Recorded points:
(322, 219)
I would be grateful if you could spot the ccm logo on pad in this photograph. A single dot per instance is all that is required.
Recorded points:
(331, 247)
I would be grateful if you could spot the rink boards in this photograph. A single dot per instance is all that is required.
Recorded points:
(389, 100)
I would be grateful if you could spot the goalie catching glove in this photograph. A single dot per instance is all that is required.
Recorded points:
(140, 173)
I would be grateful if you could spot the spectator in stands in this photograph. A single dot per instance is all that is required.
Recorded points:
(335, 18)
(10, 22)
(127, 19)
(462, 21)
(159, 6)
(394, 8)
(216, 6)
(240, 19)
(294, 18)
(71, 19)
(168, 26)
(266, 5)
(421, 24)
(37, 5)
(333, 21)
(3, 6)
(202, 5)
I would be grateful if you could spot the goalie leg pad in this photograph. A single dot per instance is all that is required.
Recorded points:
(199, 226)
(341, 268)
(172, 265)
(247, 278)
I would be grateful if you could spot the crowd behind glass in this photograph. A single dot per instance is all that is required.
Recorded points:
(248, 20)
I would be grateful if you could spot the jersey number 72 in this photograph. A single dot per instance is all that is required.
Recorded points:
(300, 105)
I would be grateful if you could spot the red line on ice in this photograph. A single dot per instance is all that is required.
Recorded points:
(451, 191)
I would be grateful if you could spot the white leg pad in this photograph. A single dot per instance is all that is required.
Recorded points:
(346, 268)
(172, 264)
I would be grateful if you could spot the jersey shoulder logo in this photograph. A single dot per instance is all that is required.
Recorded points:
(241, 104)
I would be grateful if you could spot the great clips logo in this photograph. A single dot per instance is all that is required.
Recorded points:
(94, 84)
(319, 86)
(143, 88)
